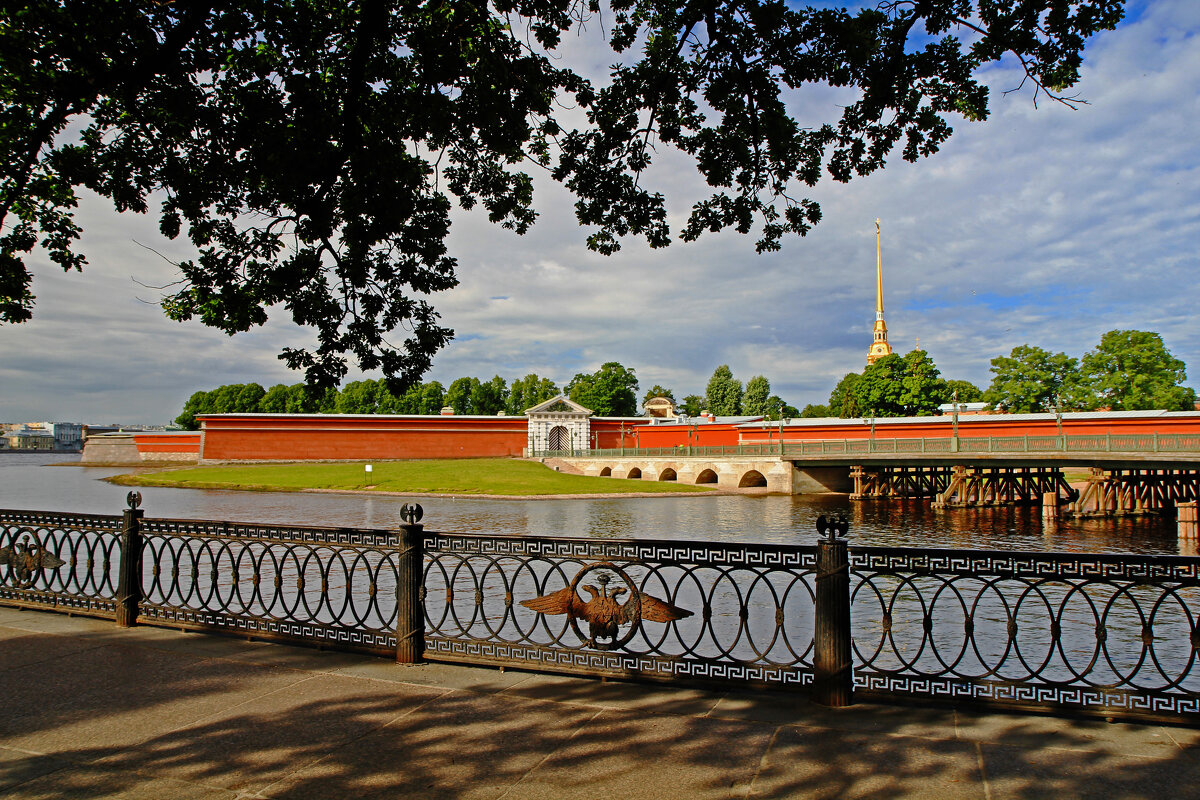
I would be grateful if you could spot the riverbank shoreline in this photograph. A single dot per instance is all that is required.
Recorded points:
(116, 480)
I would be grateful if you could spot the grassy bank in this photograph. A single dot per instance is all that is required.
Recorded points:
(482, 476)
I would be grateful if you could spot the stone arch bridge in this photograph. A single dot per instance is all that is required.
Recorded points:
(770, 473)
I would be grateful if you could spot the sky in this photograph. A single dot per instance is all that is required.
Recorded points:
(1043, 225)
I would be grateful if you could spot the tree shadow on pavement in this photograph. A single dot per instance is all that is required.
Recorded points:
(132, 720)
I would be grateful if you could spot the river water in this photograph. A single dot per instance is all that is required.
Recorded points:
(31, 482)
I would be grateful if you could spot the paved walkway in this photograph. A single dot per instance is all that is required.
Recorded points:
(94, 711)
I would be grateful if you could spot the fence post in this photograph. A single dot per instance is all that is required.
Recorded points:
(410, 579)
(833, 670)
(129, 577)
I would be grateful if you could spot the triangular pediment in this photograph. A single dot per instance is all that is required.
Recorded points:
(558, 405)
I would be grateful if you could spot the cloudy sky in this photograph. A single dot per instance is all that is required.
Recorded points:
(1041, 226)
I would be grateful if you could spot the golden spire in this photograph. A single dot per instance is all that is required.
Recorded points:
(878, 275)
(879, 343)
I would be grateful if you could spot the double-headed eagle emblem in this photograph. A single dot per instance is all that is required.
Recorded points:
(26, 558)
(605, 612)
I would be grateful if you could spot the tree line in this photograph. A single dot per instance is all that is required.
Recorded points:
(610, 391)
(1127, 370)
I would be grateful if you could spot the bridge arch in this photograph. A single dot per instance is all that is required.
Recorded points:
(635, 474)
(606, 472)
(752, 479)
(707, 476)
(668, 474)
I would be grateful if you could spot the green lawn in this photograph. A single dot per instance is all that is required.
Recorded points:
(482, 476)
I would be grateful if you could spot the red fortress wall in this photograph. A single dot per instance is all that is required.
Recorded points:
(353, 437)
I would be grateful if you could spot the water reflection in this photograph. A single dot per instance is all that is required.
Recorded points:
(27, 482)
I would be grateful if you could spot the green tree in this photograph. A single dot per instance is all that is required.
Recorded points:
(275, 400)
(811, 411)
(609, 391)
(773, 406)
(489, 397)
(879, 391)
(1030, 379)
(358, 397)
(923, 387)
(432, 399)
(458, 396)
(249, 397)
(755, 401)
(528, 392)
(723, 395)
(965, 391)
(900, 386)
(692, 405)
(224, 399)
(1133, 370)
(312, 150)
(198, 403)
(304, 399)
(843, 400)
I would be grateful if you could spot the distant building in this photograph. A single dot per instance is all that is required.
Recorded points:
(966, 409)
(43, 436)
(660, 408)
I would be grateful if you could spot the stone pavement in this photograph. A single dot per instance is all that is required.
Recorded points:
(94, 711)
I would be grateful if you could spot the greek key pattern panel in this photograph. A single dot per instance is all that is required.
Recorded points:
(59, 521)
(884, 686)
(1090, 566)
(656, 601)
(214, 529)
(648, 550)
(583, 662)
(65, 560)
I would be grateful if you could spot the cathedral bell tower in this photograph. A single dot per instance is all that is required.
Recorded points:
(879, 346)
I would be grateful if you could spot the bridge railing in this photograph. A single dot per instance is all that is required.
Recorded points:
(1108, 634)
(1091, 443)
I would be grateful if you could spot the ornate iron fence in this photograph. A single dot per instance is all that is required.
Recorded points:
(1111, 634)
(698, 610)
(60, 561)
(1104, 633)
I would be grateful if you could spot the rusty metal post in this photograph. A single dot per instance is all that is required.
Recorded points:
(129, 578)
(410, 578)
(833, 669)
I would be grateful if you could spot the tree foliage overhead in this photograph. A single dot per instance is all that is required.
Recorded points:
(311, 150)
